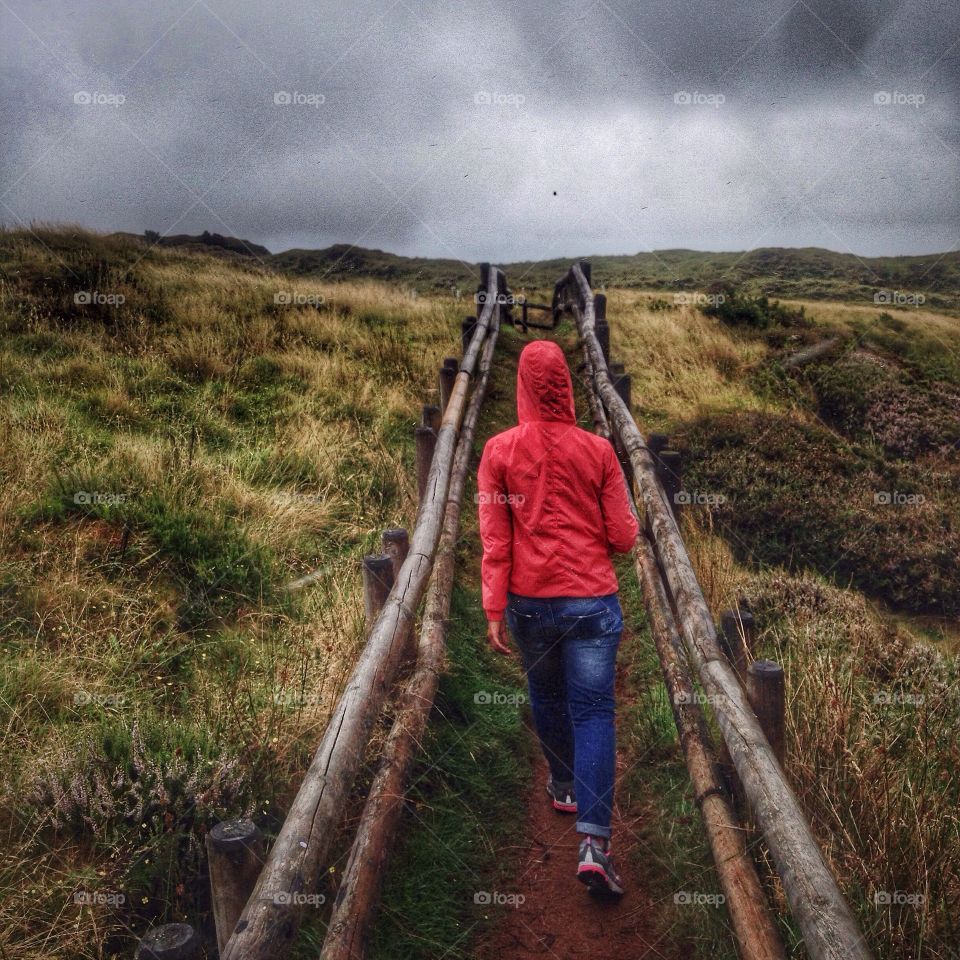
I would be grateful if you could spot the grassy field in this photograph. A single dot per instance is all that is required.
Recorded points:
(184, 433)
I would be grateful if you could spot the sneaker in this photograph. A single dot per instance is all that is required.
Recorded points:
(562, 796)
(596, 869)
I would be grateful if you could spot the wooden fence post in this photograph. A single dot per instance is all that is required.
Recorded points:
(431, 416)
(452, 362)
(235, 854)
(426, 440)
(585, 269)
(172, 941)
(377, 581)
(396, 545)
(766, 691)
(447, 377)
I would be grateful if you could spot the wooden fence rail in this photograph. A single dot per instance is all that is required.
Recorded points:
(827, 925)
(292, 871)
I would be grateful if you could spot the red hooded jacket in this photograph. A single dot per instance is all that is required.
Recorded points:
(553, 501)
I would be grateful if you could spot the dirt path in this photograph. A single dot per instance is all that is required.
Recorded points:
(558, 918)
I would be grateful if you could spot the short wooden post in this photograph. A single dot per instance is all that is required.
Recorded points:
(377, 581)
(447, 377)
(585, 269)
(467, 327)
(431, 416)
(396, 545)
(452, 362)
(484, 275)
(172, 941)
(603, 338)
(616, 370)
(426, 440)
(622, 384)
(671, 478)
(766, 691)
(657, 442)
(235, 854)
(736, 637)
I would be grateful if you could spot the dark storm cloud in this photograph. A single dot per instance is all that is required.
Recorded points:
(488, 130)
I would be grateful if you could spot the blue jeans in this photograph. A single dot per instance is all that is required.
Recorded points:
(569, 649)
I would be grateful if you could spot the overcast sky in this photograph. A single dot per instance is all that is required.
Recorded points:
(488, 130)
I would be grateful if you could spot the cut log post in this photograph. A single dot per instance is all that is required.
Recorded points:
(361, 883)
(426, 440)
(657, 442)
(603, 337)
(447, 378)
(452, 362)
(585, 270)
(826, 923)
(766, 691)
(172, 941)
(235, 854)
(622, 385)
(297, 859)
(377, 581)
(616, 369)
(396, 545)
(431, 416)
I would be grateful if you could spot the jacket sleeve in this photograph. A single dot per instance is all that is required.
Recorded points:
(621, 525)
(496, 533)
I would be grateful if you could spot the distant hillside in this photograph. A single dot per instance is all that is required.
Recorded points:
(808, 272)
(207, 242)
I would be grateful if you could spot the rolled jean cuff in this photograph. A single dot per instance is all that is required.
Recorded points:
(594, 830)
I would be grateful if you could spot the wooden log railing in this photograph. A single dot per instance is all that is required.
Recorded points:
(294, 865)
(823, 916)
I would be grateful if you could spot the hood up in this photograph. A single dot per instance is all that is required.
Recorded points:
(544, 387)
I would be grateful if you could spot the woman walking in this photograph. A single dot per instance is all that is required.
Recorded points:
(553, 506)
